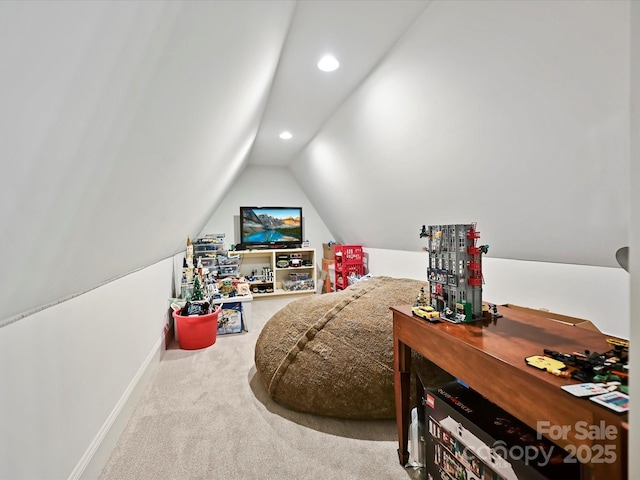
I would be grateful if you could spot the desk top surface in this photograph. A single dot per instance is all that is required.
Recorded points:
(489, 355)
(515, 336)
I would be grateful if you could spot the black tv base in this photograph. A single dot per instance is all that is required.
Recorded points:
(259, 246)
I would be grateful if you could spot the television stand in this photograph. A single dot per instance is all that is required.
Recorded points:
(275, 246)
(289, 280)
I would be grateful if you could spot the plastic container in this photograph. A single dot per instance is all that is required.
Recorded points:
(297, 285)
(197, 331)
(350, 253)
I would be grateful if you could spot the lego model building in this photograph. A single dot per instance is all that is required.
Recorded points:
(455, 271)
(193, 276)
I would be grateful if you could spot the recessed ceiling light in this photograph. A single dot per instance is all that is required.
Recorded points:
(286, 136)
(328, 63)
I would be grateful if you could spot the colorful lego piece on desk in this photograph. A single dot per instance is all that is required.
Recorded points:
(426, 312)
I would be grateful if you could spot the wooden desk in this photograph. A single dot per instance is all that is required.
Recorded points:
(489, 357)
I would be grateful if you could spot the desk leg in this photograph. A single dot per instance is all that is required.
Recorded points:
(402, 376)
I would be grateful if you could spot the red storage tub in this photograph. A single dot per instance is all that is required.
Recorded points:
(350, 253)
(197, 331)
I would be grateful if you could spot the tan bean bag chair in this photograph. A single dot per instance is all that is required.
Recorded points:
(332, 354)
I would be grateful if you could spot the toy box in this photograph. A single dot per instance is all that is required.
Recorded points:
(466, 436)
(298, 285)
(230, 320)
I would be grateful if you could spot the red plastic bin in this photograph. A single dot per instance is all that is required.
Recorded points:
(342, 276)
(350, 253)
(197, 331)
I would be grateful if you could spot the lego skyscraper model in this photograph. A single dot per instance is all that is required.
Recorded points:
(455, 271)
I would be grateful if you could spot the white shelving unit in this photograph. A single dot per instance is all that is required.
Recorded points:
(283, 280)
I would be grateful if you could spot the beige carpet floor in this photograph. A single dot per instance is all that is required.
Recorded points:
(206, 415)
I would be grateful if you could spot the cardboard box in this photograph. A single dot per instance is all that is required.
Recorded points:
(574, 321)
(467, 436)
(328, 251)
(327, 275)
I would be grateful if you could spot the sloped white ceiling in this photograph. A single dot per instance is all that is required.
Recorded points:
(122, 124)
(514, 115)
(358, 33)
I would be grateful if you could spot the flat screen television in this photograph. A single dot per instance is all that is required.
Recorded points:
(271, 227)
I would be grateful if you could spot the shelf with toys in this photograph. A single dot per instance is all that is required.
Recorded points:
(278, 271)
(260, 272)
(209, 278)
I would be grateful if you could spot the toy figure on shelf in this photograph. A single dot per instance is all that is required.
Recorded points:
(189, 253)
(185, 287)
(210, 284)
(188, 261)
(242, 287)
(226, 287)
(267, 274)
(493, 308)
(185, 270)
(200, 267)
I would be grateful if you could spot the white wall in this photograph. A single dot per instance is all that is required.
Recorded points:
(267, 186)
(67, 371)
(510, 114)
(572, 290)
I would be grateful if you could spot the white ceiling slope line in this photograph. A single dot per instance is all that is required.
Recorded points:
(302, 97)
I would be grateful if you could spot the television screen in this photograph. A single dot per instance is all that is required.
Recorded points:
(271, 226)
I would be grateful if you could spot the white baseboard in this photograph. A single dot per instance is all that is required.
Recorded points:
(97, 454)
